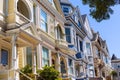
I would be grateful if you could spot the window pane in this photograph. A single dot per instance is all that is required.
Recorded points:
(4, 57)
(29, 55)
(81, 45)
(50, 1)
(67, 31)
(43, 23)
(43, 16)
(68, 37)
(88, 48)
(45, 56)
(65, 9)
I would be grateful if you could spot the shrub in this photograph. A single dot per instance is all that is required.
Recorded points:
(27, 70)
(49, 73)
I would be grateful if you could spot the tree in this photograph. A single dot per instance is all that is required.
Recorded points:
(100, 9)
(114, 74)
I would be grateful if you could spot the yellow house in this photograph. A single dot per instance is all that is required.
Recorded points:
(32, 32)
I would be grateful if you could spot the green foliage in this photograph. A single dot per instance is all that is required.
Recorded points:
(28, 71)
(114, 73)
(100, 9)
(49, 73)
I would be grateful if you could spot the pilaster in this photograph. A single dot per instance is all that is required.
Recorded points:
(39, 56)
(14, 56)
(50, 58)
(34, 60)
(58, 67)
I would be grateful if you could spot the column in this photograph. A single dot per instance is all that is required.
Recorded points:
(34, 60)
(14, 56)
(73, 67)
(67, 66)
(39, 56)
(58, 62)
(50, 58)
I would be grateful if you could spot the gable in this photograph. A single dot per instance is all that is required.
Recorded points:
(57, 6)
(30, 29)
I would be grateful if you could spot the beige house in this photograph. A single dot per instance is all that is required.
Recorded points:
(32, 32)
(101, 56)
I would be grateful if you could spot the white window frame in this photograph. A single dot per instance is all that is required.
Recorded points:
(44, 22)
(45, 59)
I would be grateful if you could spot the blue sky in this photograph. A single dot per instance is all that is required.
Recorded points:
(109, 29)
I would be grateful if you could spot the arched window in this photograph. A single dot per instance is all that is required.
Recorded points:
(59, 33)
(23, 9)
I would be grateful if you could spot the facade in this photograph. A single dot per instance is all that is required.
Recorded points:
(115, 62)
(88, 47)
(49, 32)
(32, 32)
(101, 56)
(78, 36)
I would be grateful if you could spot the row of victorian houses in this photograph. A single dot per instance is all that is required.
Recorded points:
(50, 32)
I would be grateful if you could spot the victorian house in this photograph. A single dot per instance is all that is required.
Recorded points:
(32, 32)
(77, 36)
(102, 65)
(88, 46)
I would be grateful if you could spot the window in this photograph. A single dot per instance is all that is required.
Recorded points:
(59, 33)
(74, 37)
(68, 37)
(45, 56)
(43, 23)
(91, 72)
(62, 66)
(4, 57)
(70, 66)
(29, 56)
(79, 24)
(88, 48)
(90, 59)
(50, 1)
(81, 45)
(77, 43)
(106, 59)
(65, 9)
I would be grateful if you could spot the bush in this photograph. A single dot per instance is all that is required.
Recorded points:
(49, 73)
(28, 71)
